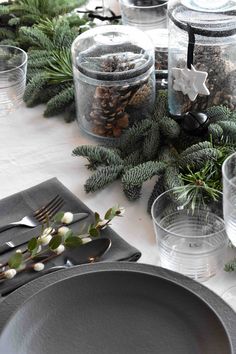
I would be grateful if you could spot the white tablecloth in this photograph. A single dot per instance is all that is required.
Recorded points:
(34, 148)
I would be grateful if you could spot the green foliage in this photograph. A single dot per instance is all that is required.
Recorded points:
(46, 30)
(103, 176)
(16, 260)
(157, 148)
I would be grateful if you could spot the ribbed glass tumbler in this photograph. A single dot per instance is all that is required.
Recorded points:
(13, 66)
(190, 232)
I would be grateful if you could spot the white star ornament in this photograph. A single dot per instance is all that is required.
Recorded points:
(190, 81)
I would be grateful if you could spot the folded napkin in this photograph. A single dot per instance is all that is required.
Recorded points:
(23, 203)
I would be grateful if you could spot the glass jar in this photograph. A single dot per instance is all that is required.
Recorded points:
(114, 76)
(202, 38)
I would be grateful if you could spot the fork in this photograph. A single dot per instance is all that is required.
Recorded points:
(39, 216)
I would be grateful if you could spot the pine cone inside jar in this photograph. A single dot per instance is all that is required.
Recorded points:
(210, 59)
(141, 95)
(117, 63)
(108, 115)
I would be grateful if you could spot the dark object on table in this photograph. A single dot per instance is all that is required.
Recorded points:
(195, 123)
(116, 308)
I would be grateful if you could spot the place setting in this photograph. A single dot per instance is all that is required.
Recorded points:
(144, 93)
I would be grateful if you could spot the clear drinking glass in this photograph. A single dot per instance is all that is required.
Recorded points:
(150, 16)
(229, 206)
(190, 233)
(144, 14)
(13, 66)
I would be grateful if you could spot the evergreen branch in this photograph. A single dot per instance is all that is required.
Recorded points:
(14, 21)
(198, 159)
(196, 147)
(4, 10)
(167, 153)
(215, 131)
(171, 178)
(135, 158)
(218, 113)
(8, 41)
(58, 103)
(98, 155)
(230, 266)
(37, 38)
(133, 135)
(6, 33)
(157, 190)
(59, 69)
(151, 142)
(229, 129)
(34, 88)
(169, 127)
(132, 192)
(102, 176)
(161, 109)
(141, 173)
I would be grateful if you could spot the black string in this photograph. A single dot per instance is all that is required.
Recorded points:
(94, 14)
(191, 43)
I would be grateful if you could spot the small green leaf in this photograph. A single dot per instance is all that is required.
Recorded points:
(68, 234)
(97, 217)
(55, 242)
(59, 216)
(94, 232)
(108, 214)
(73, 241)
(16, 260)
(32, 244)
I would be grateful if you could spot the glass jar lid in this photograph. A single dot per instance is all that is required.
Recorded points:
(211, 18)
(113, 52)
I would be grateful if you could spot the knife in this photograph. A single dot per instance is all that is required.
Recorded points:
(10, 245)
(88, 253)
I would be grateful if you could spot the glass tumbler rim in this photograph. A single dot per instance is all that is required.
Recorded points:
(224, 174)
(179, 235)
(18, 66)
(149, 7)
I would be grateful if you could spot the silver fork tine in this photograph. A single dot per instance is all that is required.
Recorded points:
(53, 211)
(42, 209)
(47, 210)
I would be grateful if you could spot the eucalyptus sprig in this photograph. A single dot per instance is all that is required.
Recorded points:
(55, 238)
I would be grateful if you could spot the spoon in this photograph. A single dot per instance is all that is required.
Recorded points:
(90, 252)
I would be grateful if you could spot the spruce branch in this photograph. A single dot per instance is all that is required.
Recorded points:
(134, 135)
(218, 113)
(196, 147)
(34, 88)
(161, 109)
(141, 173)
(135, 158)
(36, 38)
(157, 190)
(171, 178)
(229, 129)
(58, 103)
(169, 127)
(151, 142)
(199, 158)
(230, 266)
(216, 132)
(98, 155)
(102, 177)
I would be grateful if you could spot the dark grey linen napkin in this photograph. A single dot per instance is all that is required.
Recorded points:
(16, 206)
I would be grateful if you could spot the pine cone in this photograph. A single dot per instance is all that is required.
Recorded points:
(140, 96)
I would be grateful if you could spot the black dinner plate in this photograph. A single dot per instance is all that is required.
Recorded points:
(116, 308)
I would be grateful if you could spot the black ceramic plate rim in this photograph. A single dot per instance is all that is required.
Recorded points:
(223, 312)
